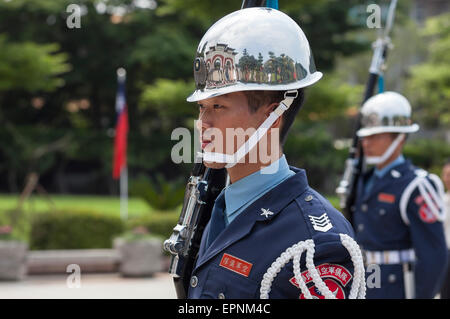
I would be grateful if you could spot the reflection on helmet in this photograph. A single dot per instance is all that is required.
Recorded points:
(386, 112)
(253, 49)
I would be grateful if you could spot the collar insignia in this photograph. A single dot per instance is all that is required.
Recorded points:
(266, 212)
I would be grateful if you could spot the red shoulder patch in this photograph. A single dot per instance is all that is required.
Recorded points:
(425, 213)
(337, 272)
(334, 287)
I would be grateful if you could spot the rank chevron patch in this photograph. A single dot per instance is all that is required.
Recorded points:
(321, 223)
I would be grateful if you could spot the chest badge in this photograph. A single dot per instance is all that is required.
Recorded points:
(321, 223)
(266, 212)
(236, 265)
(386, 198)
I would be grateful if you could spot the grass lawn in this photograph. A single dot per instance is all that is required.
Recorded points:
(103, 204)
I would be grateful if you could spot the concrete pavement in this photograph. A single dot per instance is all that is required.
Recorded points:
(91, 286)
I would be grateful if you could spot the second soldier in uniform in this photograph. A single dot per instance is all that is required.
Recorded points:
(399, 208)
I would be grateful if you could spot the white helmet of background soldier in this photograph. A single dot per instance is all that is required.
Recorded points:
(253, 49)
(387, 112)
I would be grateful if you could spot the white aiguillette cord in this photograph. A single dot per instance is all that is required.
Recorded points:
(357, 290)
(231, 160)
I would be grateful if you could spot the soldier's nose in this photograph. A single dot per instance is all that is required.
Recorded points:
(365, 142)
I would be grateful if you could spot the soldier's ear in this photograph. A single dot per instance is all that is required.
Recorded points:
(272, 108)
(269, 108)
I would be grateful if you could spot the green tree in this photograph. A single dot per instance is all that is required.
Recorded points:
(30, 66)
(429, 84)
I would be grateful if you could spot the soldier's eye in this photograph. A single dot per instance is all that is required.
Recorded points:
(217, 106)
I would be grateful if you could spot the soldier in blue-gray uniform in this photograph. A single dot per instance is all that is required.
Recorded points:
(270, 234)
(399, 208)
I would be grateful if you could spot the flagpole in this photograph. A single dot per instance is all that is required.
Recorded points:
(124, 193)
(121, 75)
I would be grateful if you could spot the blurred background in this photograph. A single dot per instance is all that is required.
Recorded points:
(58, 90)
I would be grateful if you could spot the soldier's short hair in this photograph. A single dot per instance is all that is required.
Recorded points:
(395, 134)
(256, 99)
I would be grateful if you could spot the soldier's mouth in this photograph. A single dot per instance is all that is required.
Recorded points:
(205, 143)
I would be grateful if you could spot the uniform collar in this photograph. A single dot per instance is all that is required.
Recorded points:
(253, 186)
(381, 172)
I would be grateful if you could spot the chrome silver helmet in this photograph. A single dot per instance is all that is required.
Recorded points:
(386, 112)
(253, 49)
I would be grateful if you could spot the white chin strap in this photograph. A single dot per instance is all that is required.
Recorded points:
(233, 159)
(375, 160)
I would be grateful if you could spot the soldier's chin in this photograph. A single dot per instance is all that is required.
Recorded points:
(214, 165)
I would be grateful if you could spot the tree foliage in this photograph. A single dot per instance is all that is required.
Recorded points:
(429, 84)
(57, 82)
(40, 66)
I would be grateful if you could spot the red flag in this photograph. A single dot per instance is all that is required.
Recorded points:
(120, 140)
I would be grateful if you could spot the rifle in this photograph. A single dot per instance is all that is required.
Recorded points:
(202, 189)
(259, 3)
(354, 164)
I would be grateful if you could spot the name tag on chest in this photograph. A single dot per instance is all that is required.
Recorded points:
(236, 265)
(386, 198)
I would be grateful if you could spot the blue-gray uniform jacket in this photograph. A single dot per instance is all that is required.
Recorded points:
(395, 227)
(234, 264)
